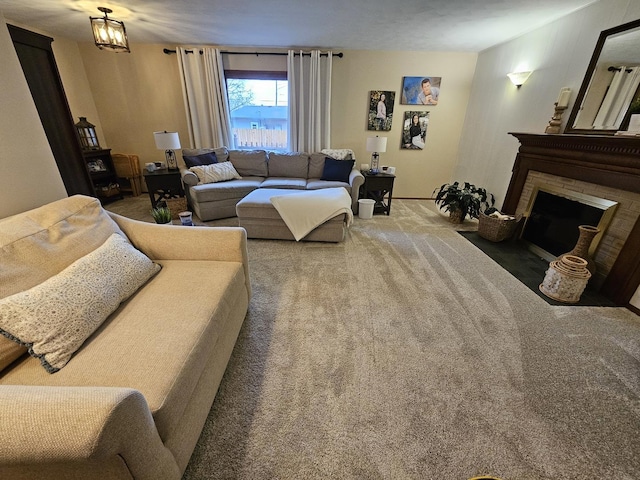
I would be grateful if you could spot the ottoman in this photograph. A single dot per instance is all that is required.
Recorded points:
(257, 215)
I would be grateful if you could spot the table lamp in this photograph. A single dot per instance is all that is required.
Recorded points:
(168, 141)
(376, 145)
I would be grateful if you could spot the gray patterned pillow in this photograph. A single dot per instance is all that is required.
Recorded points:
(54, 319)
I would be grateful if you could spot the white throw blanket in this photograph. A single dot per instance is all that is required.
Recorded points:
(303, 211)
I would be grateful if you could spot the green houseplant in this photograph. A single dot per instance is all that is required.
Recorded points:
(463, 199)
(161, 214)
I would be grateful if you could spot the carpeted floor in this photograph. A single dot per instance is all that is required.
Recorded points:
(405, 352)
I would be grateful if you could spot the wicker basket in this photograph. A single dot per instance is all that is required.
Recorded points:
(495, 229)
(107, 191)
(176, 205)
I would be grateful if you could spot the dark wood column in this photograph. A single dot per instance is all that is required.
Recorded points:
(612, 161)
(41, 72)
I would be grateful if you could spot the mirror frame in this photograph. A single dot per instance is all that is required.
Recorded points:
(587, 80)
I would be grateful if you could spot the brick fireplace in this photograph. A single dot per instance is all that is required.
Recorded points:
(600, 166)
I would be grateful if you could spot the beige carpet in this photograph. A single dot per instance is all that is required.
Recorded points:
(407, 353)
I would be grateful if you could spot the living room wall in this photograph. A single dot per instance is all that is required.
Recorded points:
(558, 54)
(138, 93)
(29, 176)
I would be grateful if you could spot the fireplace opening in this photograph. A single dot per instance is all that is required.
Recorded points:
(553, 217)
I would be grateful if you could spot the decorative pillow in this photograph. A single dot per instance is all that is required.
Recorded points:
(198, 160)
(337, 170)
(216, 172)
(54, 319)
(339, 153)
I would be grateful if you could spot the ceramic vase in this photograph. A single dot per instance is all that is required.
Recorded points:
(587, 232)
(566, 279)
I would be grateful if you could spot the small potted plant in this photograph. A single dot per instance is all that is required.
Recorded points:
(161, 214)
(461, 200)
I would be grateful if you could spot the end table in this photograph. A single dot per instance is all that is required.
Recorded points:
(163, 184)
(378, 187)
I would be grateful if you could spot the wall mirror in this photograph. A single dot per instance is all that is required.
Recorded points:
(610, 91)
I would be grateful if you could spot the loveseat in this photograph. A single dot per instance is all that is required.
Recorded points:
(261, 169)
(132, 399)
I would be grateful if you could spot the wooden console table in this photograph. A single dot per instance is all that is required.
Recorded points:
(612, 161)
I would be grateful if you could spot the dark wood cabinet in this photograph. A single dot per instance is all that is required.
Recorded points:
(103, 173)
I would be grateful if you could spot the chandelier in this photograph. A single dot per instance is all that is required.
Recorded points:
(109, 34)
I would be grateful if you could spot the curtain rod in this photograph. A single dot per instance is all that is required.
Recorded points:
(339, 55)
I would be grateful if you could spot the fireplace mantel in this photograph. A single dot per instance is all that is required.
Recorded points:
(612, 161)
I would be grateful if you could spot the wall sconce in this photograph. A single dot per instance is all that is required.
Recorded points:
(376, 144)
(168, 141)
(518, 78)
(109, 34)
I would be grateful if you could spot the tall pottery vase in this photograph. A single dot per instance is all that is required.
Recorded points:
(587, 232)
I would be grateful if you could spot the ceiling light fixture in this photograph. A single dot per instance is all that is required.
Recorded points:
(109, 34)
(518, 78)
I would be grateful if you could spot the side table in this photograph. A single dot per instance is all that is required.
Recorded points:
(378, 187)
(163, 184)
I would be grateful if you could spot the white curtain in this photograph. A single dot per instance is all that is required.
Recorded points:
(309, 79)
(205, 97)
(619, 96)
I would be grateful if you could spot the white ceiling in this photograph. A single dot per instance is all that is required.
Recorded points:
(427, 25)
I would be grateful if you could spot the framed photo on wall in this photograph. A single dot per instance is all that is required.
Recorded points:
(414, 130)
(420, 90)
(380, 110)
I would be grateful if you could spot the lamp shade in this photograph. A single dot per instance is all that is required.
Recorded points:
(109, 34)
(518, 78)
(167, 140)
(376, 144)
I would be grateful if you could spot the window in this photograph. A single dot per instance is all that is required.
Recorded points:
(258, 104)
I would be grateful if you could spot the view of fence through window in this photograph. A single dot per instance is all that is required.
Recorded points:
(259, 113)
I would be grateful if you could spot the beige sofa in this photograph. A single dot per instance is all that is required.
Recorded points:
(261, 169)
(132, 401)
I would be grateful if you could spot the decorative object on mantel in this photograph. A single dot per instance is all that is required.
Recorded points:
(168, 141)
(587, 232)
(518, 78)
(496, 226)
(566, 279)
(462, 200)
(87, 135)
(560, 106)
(109, 34)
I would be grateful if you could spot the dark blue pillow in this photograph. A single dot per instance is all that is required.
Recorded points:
(200, 160)
(337, 170)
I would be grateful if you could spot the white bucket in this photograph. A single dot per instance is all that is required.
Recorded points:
(365, 208)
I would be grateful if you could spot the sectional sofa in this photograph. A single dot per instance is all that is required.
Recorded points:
(261, 169)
